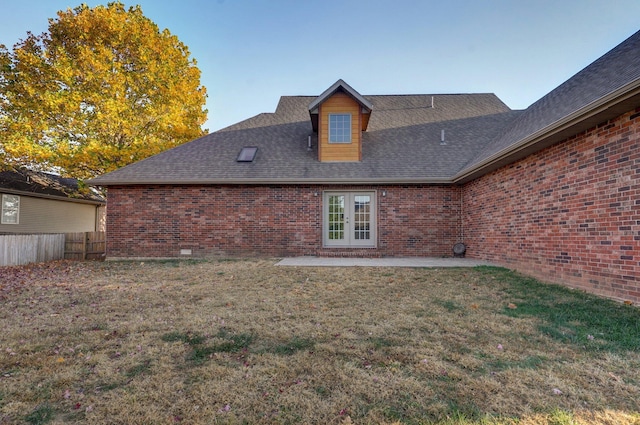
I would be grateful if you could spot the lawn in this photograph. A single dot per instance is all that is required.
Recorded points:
(227, 342)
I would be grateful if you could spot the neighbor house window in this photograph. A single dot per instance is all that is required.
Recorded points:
(10, 209)
(339, 128)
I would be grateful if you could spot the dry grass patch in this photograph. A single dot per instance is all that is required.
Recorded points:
(247, 342)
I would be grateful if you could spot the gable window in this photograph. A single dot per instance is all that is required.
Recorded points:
(10, 209)
(339, 128)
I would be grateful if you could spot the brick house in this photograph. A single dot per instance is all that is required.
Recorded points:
(553, 190)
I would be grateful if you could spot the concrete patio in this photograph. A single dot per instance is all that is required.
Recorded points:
(309, 261)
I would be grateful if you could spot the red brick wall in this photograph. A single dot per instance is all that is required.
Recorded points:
(568, 214)
(418, 220)
(159, 221)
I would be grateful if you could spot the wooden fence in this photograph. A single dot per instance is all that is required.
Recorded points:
(85, 245)
(17, 250)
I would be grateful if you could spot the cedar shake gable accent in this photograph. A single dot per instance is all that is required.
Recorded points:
(340, 86)
(340, 101)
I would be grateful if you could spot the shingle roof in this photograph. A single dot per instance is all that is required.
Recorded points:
(401, 144)
(616, 72)
(46, 185)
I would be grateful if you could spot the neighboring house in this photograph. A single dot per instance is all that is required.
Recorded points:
(36, 202)
(553, 191)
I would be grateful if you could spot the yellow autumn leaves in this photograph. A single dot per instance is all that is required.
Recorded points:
(104, 87)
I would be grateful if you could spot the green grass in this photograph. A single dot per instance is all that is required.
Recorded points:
(572, 316)
(292, 346)
(141, 368)
(449, 305)
(227, 342)
(40, 415)
(232, 342)
(185, 337)
(529, 362)
(379, 343)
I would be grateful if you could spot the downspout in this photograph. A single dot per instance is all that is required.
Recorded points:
(459, 248)
(461, 233)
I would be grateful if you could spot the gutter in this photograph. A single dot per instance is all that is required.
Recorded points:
(335, 181)
(596, 109)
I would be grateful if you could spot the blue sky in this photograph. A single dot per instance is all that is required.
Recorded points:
(251, 52)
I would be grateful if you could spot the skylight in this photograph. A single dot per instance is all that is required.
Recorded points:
(247, 154)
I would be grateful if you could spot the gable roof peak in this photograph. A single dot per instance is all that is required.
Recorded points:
(339, 85)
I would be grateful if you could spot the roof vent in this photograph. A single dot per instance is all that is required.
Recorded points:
(247, 154)
(442, 140)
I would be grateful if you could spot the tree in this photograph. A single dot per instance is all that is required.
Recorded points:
(104, 87)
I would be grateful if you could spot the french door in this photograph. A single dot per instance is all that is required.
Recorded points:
(349, 219)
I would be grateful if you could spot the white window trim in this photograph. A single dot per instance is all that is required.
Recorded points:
(2, 210)
(349, 128)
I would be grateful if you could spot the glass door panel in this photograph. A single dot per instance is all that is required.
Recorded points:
(336, 219)
(362, 217)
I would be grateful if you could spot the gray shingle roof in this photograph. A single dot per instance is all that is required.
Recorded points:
(26, 182)
(401, 144)
(590, 89)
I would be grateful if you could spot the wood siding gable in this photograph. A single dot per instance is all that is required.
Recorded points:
(340, 103)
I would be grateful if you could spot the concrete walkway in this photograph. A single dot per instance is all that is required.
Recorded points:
(380, 262)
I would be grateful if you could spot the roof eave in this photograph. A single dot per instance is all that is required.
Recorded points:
(52, 197)
(347, 88)
(607, 107)
(282, 181)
